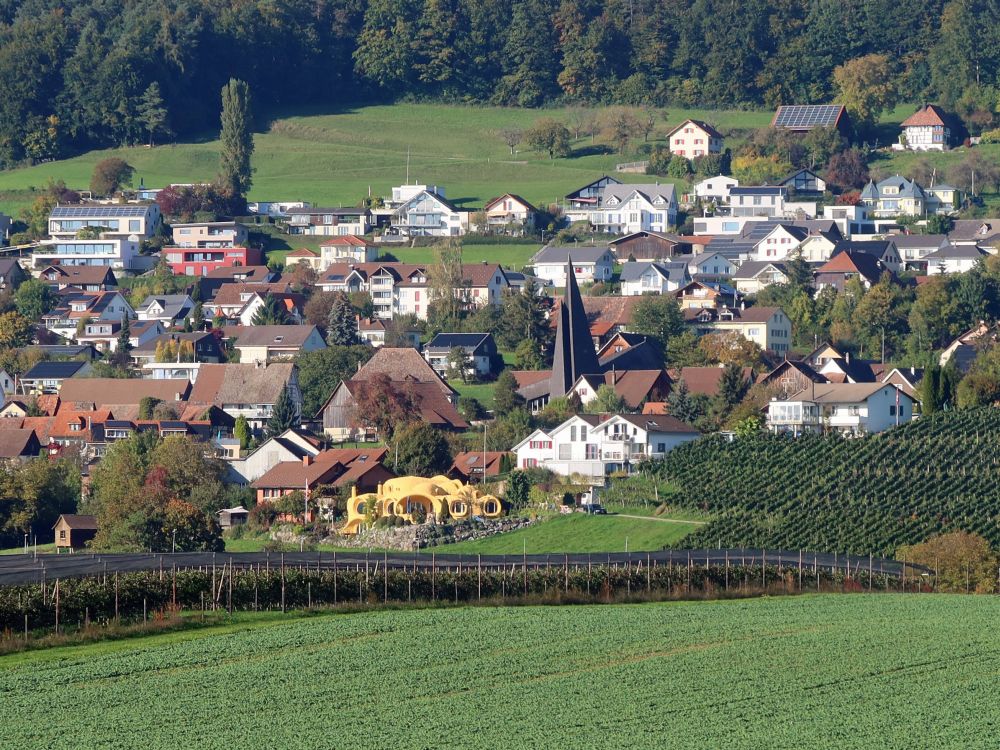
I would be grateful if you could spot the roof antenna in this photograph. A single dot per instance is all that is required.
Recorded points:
(407, 165)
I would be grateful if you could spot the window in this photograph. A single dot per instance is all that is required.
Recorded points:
(572, 434)
(591, 452)
(62, 535)
(565, 452)
(134, 225)
(892, 410)
(583, 434)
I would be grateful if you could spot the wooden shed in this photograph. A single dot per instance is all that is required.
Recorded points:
(229, 517)
(73, 532)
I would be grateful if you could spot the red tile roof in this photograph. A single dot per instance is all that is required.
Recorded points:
(929, 114)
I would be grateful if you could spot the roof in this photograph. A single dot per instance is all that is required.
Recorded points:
(699, 123)
(150, 346)
(649, 191)
(752, 268)
(109, 211)
(803, 369)
(432, 403)
(671, 238)
(562, 253)
(758, 190)
(465, 340)
(333, 211)
(469, 462)
(850, 261)
(658, 423)
(103, 391)
(231, 293)
(328, 467)
(807, 116)
(839, 393)
(927, 115)
(402, 364)
(633, 386)
(956, 252)
(54, 370)
(240, 383)
(285, 337)
(919, 240)
(634, 270)
(704, 380)
(512, 196)
(83, 274)
(249, 273)
(351, 240)
(80, 523)
(974, 229)
(20, 442)
(479, 274)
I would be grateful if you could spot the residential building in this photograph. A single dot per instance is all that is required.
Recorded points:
(964, 349)
(710, 265)
(199, 346)
(705, 381)
(429, 214)
(74, 307)
(640, 246)
(954, 259)
(624, 209)
(248, 390)
(48, 376)
(111, 252)
(847, 265)
(186, 261)
(480, 351)
(348, 248)
(790, 377)
(982, 232)
(884, 251)
(471, 466)
(589, 264)
(755, 275)
(11, 274)
(266, 343)
(768, 327)
(653, 278)
(18, 446)
(694, 138)
(897, 196)
(293, 444)
(210, 234)
(715, 189)
(328, 221)
(510, 214)
(781, 243)
(169, 309)
(274, 209)
(804, 181)
(706, 294)
(589, 195)
(121, 396)
(758, 201)
(914, 248)
(593, 447)
(635, 387)
(84, 278)
(112, 220)
(846, 408)
(926, 129)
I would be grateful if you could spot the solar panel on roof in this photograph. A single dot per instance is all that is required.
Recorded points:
(61, 212)
(807, 115)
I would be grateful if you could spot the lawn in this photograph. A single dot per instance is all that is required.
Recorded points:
(577, 532)
(482, 392)
(51, 547)
(844, 671)
(335, 159)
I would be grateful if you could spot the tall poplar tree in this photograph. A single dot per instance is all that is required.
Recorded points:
(236, 174)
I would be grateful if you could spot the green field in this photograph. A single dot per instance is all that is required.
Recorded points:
(333, 159)
(577, 532)
(918, 671)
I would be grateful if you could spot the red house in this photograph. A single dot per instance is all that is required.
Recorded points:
(200, 261)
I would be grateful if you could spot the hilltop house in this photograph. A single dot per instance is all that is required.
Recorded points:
(328, 221)
(846, 408)
(510, 214)
(593, 446)
(694, 138)
(925, 130)
(113, 234)
(616, 208)
(653, 278)
(715, 188)
(897, 196)
(429, 214)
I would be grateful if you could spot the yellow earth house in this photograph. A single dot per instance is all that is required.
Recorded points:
(408, 497)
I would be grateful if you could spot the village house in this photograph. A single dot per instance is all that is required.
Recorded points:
(804, 181)
(790, 377)
(169, 309)
(121, 396)
(113, 235)
(625, 209)
(187, 261)
(653, 278)
(715, 189)
(953, 259)
(781, 243)
(247, 390)
(475, 466)
(510, 214)
(710, 266)
(198, 346)
(801, 118)
(914, 248)
(848, 265)
(480, 350)
(705, 381)
(640, 246)
(292, 445)
(11, 274)
(267, 343)
(328, 222)
(82, 278)
(962, 351)
(589, 264)
(925, 130)
(884, 251)
(694, 138)
(75, 308)
(982, 232)
(634, 386)
(429, 214)
(209, 234)
(897, 196)
(18, 446)
(768, 327)
(758, 201)
(706, 294)
(592, 446)
(845, 408)
(754, 275)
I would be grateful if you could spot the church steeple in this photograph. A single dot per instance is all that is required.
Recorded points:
(574, 348)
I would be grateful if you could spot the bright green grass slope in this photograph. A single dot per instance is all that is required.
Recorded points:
(847, 672)
(334, 159)
(577, 532)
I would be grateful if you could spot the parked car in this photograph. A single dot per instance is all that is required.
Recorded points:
(595, 509)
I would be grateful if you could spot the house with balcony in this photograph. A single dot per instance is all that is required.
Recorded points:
(77, 308)
(850, 409)
(510, 214)
(694, 138)
(97, 235)
(48, 377)
(913, 249)
(715, 188)
(625, 209)
(593, 446)
(201, 261)
(481, 356)
(429, 214)
(210, 234)
(653, 278)
(768, 327)
(897, 196)
(755, 275)
(328, 222)
(768, 201)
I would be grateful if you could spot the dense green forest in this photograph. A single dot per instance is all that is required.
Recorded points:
(86, 73)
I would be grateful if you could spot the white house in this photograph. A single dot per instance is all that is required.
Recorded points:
(953, 259)
(758, 201)
(804, 181)
(925, 130)
(913, 249)
(328, 221)
(780, 243)
(754, 275)
(589, 264)
(291, 445)
(848, 408)
(510, 214)
(166, 308)
(112, 220)
(711, 264)
(694, 138)
(715, 188)
(210, 234)
(626, 209)
(266, 343)
(653, 278)
(429, 214)
(593, 447)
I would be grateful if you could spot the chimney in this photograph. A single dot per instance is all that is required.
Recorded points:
(847, 357)
(177, 397)
(307, 460)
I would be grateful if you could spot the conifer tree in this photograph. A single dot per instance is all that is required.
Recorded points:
(341, 323)
(283, 415)
(236, 174)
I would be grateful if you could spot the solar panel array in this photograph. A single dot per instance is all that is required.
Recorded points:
(806, 116)
(62, 212)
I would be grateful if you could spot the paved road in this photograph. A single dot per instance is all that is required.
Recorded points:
(660, 518)
(20, 569)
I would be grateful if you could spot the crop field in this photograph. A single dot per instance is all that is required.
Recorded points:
(844, 671)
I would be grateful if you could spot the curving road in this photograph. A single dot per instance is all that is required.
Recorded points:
(24, 569)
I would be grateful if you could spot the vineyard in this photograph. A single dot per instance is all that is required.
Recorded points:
(816, 671)
(867, 495)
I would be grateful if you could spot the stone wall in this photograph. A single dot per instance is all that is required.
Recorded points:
(426, 535)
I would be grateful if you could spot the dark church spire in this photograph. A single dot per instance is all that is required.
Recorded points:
(574, 350)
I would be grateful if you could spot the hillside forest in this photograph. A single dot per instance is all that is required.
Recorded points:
(80, 74)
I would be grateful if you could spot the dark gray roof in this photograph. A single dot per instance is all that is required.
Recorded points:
(807, 116)
(562, 253)
(956, 252)
(115, 211)
(574, 353)
(759, 190)
(471, 341)
(54, 370)
(919, 240)
(633, 271)
(751, 268)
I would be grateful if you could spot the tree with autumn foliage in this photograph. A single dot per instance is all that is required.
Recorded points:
(383, 405)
